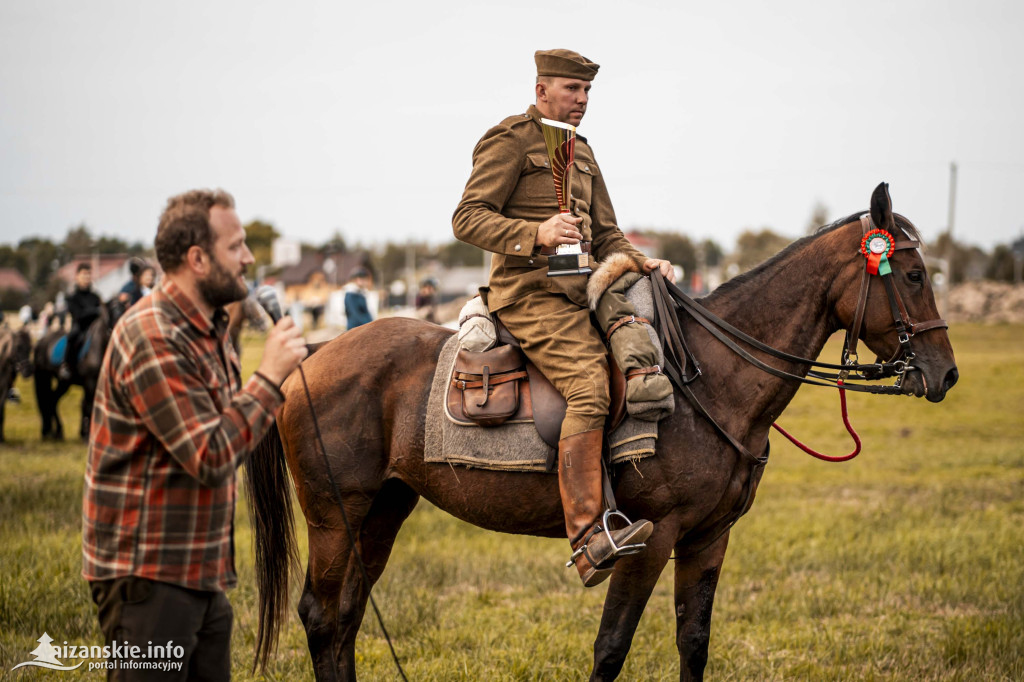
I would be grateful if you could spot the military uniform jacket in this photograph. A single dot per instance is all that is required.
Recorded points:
(511, 192)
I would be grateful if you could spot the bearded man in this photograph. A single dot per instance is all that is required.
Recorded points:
(171, 423)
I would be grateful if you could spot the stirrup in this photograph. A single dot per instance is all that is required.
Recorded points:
(617, 551)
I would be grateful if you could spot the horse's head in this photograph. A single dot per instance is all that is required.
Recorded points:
(112, 312)
(900, 319)
(23, 353)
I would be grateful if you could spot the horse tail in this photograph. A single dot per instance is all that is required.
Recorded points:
(270, 511)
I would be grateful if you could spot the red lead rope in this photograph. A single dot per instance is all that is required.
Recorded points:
(849, 429)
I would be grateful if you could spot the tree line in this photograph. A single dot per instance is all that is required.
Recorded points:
(39, 258)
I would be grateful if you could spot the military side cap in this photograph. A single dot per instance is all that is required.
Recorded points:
(565, 64)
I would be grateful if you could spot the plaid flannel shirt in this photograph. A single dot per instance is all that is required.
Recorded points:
(169, 428)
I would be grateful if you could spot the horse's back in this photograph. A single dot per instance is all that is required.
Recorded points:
(376, 371)
(393, 344)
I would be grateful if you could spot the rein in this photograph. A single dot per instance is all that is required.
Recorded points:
(876, 246)
(849, 429)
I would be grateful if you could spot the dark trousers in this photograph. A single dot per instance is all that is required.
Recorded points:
(150, 614)
(72, 346)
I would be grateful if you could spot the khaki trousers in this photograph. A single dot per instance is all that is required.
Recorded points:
(557, 337)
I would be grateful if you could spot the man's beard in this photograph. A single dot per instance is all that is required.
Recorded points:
(219, 288)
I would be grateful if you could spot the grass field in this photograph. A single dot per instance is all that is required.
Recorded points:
(905, 564)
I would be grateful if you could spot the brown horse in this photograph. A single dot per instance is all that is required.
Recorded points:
(15, 358)
(370, 390)
(50, 388)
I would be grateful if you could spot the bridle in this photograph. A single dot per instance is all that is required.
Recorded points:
(23, 361)
(668, 299)
(11, 343)
(906, 329)
(682, 367)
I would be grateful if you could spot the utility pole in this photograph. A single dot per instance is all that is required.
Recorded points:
(951, 218)
(410, 277)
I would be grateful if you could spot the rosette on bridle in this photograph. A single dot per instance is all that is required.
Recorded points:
(877, 245)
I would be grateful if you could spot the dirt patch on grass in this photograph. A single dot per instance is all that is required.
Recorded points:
(988, 302)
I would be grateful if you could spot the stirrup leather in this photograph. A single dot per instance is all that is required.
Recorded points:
(616, 552)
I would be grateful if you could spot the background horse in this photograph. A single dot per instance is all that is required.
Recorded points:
(370, 389)
(240, 312)
(15, 358)
(50, 388)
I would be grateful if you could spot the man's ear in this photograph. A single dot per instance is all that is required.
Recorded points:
(541, 88)
(197, 260)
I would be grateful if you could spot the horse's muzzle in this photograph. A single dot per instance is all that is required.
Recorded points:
(916, 382)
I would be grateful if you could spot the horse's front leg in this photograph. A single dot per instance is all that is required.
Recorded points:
(631, 586)
(88, 398)
(696, 581)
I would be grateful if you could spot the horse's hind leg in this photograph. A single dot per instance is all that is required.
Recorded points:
(335, 594)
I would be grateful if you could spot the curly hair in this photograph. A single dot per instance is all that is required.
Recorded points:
(185, 223)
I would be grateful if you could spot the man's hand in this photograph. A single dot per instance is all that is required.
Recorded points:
(284, 350)
(667, 271)
(559, 229)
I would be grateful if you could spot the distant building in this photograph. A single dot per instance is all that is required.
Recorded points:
(460, 282)
(312, 280)
(285, 252)
(14, 288)
(645, 244)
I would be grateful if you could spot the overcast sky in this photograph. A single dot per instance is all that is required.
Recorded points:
(706, 117)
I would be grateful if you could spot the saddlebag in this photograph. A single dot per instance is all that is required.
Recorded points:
(488, 384)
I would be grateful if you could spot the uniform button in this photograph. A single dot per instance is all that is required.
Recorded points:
(518, 248)
(586, 168)
(531, 261)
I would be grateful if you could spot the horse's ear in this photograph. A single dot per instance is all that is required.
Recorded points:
(881, 207)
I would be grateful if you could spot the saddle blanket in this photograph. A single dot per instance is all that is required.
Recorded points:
(517, 446)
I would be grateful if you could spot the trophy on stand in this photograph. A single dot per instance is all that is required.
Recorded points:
(560, 138)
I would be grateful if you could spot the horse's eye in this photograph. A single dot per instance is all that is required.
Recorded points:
(915, 276)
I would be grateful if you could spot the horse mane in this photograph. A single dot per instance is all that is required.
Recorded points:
(908, 228)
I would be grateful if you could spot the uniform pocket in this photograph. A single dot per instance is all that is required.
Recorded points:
(584, 173)
(536, 163)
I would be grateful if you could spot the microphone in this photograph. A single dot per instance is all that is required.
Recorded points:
(266, 296)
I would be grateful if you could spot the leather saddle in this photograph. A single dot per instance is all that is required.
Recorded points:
(501, 385)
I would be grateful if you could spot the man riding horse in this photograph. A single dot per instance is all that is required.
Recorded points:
(84, 305)
(509, 208)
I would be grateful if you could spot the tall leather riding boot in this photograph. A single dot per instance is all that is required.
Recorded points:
(580, 484)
